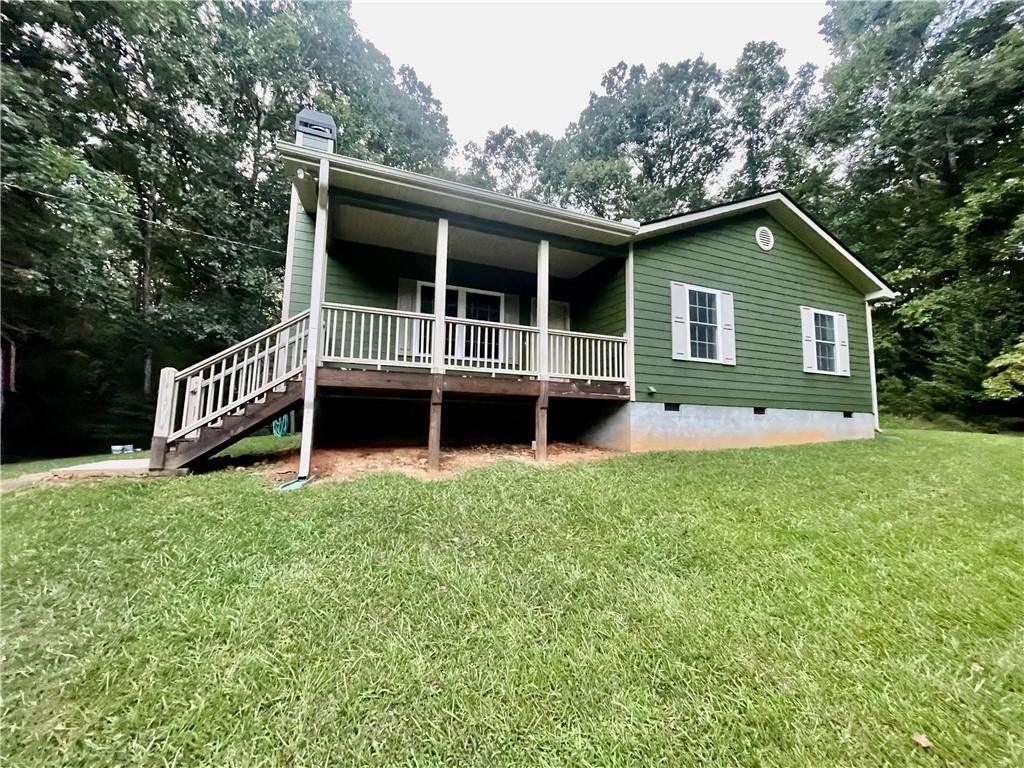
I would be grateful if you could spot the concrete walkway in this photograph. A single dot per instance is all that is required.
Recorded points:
(109, 467)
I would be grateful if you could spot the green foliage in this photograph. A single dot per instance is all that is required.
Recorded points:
(1007, 381)
(143, 208)
(925, 107)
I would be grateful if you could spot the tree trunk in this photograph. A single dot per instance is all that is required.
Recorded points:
(145, 269)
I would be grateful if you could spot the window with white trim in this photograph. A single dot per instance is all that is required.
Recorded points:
(703, 327)
(826, 345)
(825, 341)
(703, 306)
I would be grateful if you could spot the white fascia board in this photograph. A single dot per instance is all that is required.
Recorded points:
(373, 178)
(783, 210)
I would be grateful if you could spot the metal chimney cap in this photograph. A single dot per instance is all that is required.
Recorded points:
(314, 123)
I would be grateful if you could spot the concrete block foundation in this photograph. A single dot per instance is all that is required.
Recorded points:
(635, 427)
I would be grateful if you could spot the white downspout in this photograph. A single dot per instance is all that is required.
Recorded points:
(316, 300)
(630, 329)
(871, 364)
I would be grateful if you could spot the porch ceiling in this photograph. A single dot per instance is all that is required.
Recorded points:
(405, 233)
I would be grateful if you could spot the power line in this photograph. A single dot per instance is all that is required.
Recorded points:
(140, 218)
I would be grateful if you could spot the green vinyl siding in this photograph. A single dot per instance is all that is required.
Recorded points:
(768, 289)
(599, 299)
(302, 262)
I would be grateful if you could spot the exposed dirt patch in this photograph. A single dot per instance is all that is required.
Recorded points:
(350, 463)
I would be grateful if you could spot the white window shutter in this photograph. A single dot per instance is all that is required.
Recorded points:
(680, 323)
(842, 347)
(728, 328)
(807, 334)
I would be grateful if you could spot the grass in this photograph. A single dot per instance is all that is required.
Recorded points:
(807, 606)
(256, 447)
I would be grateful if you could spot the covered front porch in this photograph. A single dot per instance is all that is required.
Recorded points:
(413, 297)
(379, 308)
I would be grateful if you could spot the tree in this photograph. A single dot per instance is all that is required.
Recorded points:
(768, 113)
(924, 108)
(147, 225)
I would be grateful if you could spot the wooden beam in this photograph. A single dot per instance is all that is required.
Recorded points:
(541, 423)
(485, 385)
(596, 391)
(316, 300)
(393, 380)
(434, 432)
(401, 381)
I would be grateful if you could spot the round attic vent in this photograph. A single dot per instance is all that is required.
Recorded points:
(765, 238)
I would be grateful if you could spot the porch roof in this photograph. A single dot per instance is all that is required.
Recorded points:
(368, 178)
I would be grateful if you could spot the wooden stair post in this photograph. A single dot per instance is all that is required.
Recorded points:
(164, 418)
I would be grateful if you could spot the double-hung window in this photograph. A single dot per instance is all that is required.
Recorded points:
(703, 310)
(703, 328)
(825, 343)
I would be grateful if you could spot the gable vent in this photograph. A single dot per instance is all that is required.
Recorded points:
(765, 238)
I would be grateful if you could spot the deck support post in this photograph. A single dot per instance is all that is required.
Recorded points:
(434, 433)
(440, 294)
(543, 357)
(541, 424)
(162, 424)
(316, 300)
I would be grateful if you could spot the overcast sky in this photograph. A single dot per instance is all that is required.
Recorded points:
(533, 65)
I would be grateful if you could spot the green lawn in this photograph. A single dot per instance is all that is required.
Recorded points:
(811, 606)
(256, 447)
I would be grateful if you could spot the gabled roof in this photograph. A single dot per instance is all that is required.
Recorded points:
(430, 191)
(394, 183)
(780, 207)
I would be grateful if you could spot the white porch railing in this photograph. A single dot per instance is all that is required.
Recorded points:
(376, 337)
(590, 356)
(204, 393)
(486, 347)
(383, 338)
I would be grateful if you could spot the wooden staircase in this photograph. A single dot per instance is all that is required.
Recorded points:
(206, 407)
(217, 436)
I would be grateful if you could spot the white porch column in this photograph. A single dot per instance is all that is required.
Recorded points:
(440, 293)
(871, 364)
(543, 358)
(316, 300)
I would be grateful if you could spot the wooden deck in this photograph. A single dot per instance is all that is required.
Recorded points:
(206, 406)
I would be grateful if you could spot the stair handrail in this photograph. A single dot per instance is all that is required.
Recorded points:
(200, 394)
(216, 358)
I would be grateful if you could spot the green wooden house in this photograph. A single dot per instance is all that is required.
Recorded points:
(744, 324)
